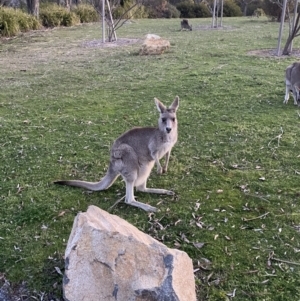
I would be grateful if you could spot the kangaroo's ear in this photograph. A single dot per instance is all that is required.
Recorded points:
(175, 104)
(160, 106)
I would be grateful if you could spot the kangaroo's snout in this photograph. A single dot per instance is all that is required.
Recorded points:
(168, 130)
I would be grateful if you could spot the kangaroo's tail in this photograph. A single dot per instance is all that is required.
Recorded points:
(103, 184)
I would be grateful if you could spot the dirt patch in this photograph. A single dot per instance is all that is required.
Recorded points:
(273, 53)
(119, 43)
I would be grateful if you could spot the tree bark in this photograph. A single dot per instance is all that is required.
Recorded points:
(292, 35)
(33, 7)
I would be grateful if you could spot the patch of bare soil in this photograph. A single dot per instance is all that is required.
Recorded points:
(273, 53)
(119, 43)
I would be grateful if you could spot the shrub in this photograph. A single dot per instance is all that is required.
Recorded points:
(231, 9)
(186, 10)
(201, 11)
(70, 19)
(273, 9)
(171, 11)
(191, 10)
(138, 11)
(259, 12)
(53, 15)
(87, 13)
(250, 9)
(28, 22)
(14, 21)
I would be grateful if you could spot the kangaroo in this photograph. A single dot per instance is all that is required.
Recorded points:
(185, 25)
(292, 83)
(134, 154)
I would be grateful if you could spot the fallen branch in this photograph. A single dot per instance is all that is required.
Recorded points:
(116, 203)
(257, 196)
(285, 261)
(277, 137)
(252, 219)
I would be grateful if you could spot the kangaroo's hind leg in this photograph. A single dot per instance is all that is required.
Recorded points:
(130, 200)
(141, 183)
(143, 188)
(126, 162)
(288, 88)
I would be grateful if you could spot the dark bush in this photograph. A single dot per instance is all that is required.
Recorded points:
(231, 9)
(201, 11)
(186, 9)
(170, 11)
(191, 10)
(249, 9)
(273, 10)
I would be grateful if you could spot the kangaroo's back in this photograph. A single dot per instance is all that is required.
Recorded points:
(292, 73)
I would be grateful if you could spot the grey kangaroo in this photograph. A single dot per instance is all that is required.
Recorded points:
(185, 25)
(134, 154)
(292, 83)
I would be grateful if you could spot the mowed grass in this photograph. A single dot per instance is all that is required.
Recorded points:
(235, 168)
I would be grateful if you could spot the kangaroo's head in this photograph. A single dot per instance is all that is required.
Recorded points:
(167, 121)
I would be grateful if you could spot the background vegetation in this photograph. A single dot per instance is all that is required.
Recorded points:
(235, 169)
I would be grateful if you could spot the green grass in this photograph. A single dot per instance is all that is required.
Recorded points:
(237, 159)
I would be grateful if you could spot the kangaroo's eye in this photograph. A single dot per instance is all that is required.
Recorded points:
(173, 119)
(163, 120)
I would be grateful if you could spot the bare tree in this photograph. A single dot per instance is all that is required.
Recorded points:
(112, 24)
(294, 32)
(294, 26)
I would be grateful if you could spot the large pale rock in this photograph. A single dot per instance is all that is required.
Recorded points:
(109, 259)
(154, 44)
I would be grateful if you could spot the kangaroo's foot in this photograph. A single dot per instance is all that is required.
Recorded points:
(140, 205)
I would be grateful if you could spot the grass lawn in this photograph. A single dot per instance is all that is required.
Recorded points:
(235, 168)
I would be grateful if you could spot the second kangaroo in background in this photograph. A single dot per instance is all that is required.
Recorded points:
(134, 154)
(292, 83)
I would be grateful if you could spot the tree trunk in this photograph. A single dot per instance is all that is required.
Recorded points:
(286, 48)
(245, 10)
(33, 7)
(292, 35)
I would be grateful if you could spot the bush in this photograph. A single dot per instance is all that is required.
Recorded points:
(273, 10)
(138, 11)
(14, 21)
(201, 11)
(171, 11)
(191, 10)
(186, 10)
(28, 22)
(231, 9)
(259, 12)
(53, 15)
(87, 13)
(251, 7)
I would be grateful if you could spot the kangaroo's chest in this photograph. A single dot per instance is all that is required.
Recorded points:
(165, 148)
